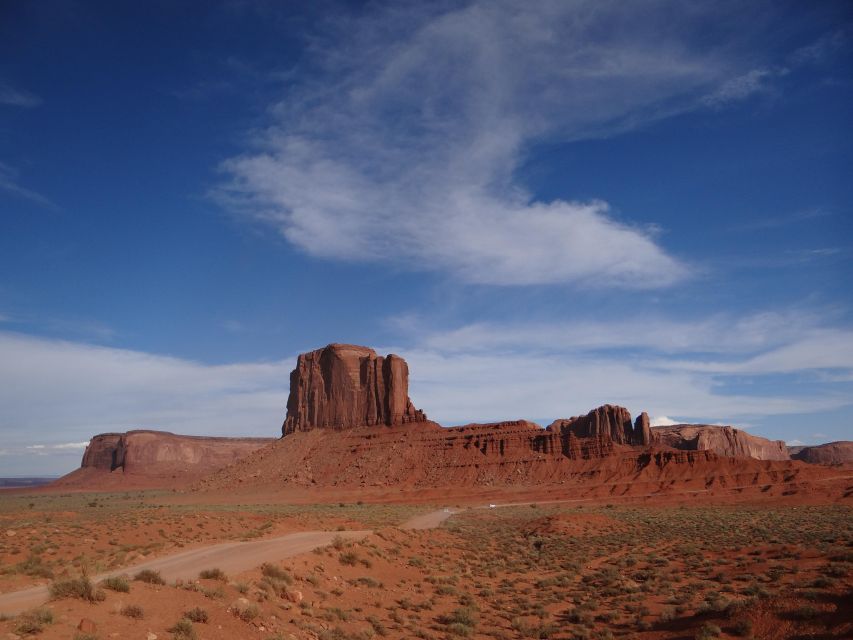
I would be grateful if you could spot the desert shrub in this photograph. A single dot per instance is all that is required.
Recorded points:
(133, 611)
(150, 576)
(377, 625)
(81, 588)
(34, 566)
(183, 630)
(349, 558)
(369, 582)
(708, 631)
(216, 593)
(277, 573)
(245, 611)
(117, 583)
(196, 615)
(743, 628)
(33, 622)
(460, 617)
(213, 574)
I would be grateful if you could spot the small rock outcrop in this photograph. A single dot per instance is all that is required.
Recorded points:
(723, 440)
(343, 386)
(608, 420)
(831, 453)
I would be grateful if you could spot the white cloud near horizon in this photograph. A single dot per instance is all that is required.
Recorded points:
(403, 146)
(64, 392)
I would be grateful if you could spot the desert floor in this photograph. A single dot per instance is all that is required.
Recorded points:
(335, 570)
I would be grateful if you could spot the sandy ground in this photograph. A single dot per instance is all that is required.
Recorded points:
(230, 557)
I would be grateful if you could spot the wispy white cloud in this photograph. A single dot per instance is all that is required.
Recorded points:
(9, 183)
(743, 86)
(13, 97)
(718, 334)
(666, 367)
(404, 144)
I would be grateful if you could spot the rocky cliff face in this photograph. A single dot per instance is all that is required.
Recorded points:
(342, 386)
(424, 457)
(610, 420)
(831, 453)
(153, 453)
(725, 441)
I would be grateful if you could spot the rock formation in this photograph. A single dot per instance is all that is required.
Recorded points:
(725, 441)
(610, 420)
(152, 457)
(831, 453)
(433, 462)
(342, 386)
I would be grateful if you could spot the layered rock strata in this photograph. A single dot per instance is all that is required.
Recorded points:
(831, 453)
(610, 420)
(723, 440)
(342, 386)
(149, 452)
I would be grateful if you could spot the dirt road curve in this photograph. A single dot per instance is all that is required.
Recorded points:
(231, 557)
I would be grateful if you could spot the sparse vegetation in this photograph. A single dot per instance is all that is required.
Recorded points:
(81, 588)
(183, 630)
(33, 622)
(196, 614)
(149, 576)
(213, 574)
(117, 583)
(133, 611)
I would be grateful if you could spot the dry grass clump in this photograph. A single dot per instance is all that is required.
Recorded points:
(149, 576)
(81, 588)
(213, 574)
(33, 622)
(117, 583)
(133, 611)
(183, 630)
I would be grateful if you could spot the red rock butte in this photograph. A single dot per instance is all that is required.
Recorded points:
(350, 424)
(342, 386)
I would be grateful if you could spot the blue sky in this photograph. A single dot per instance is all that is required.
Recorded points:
(542, 206)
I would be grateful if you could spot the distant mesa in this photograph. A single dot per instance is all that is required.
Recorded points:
(831, 453)
(152, 458)
(342, 386)
(723, 440)
(146, 451)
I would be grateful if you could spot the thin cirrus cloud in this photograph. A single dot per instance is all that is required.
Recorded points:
(10, 184)
(10, 96)
(403, 143)
(667, 367)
